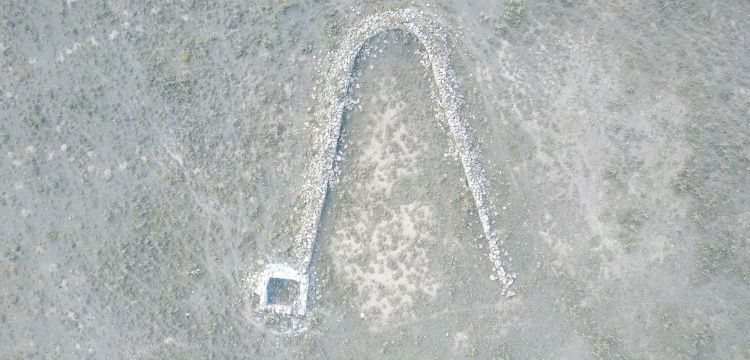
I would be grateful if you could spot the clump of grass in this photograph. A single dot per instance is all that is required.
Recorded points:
(613, 172)
(307, 46)
(483, 17)
(688, 182)
(670, 6)
(271, 134)
(720, 257)
(572, 298)
(34, 120)
(177, 87)
(4, 137)
(501, 355)
(52, 235)
(605, 345)
(730, 151)
(633, 219)
(263, 39)
(667, 319)
(108, 214)
(511, 16)
(514, 12)
(702, 337)
(333, 27)
(711, 259)
(185, 56)
(287, 5)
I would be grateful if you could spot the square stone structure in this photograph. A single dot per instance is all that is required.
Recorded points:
(275, 274)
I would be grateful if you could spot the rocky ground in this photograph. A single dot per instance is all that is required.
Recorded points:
(152, 156)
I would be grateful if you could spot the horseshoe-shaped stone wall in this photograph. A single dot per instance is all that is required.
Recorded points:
(336, 95)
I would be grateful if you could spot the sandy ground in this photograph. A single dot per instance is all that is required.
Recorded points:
(151, 152)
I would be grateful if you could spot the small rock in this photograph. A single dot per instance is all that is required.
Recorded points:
(107, 174)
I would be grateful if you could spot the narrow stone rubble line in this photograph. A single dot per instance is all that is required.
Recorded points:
(336, 94)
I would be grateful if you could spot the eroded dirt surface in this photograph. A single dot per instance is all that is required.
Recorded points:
(151, 156)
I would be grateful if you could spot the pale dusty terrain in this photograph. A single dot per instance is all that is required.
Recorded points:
(151, 155)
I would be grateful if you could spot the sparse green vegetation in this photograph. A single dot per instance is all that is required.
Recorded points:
(263, 39)
(4, 137)
(723, 256)
(615, 140)
(307, 46)
(513, 13)
(605, 346)
(688, 182)
(613, 172)
(108, 214)
(511, 16)
(484, 17)
(633, 219)
(702, 337)
(185, 56)
(52, 235)
(667, 319)
(712, 258)
(286, 5)
(333, 26)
